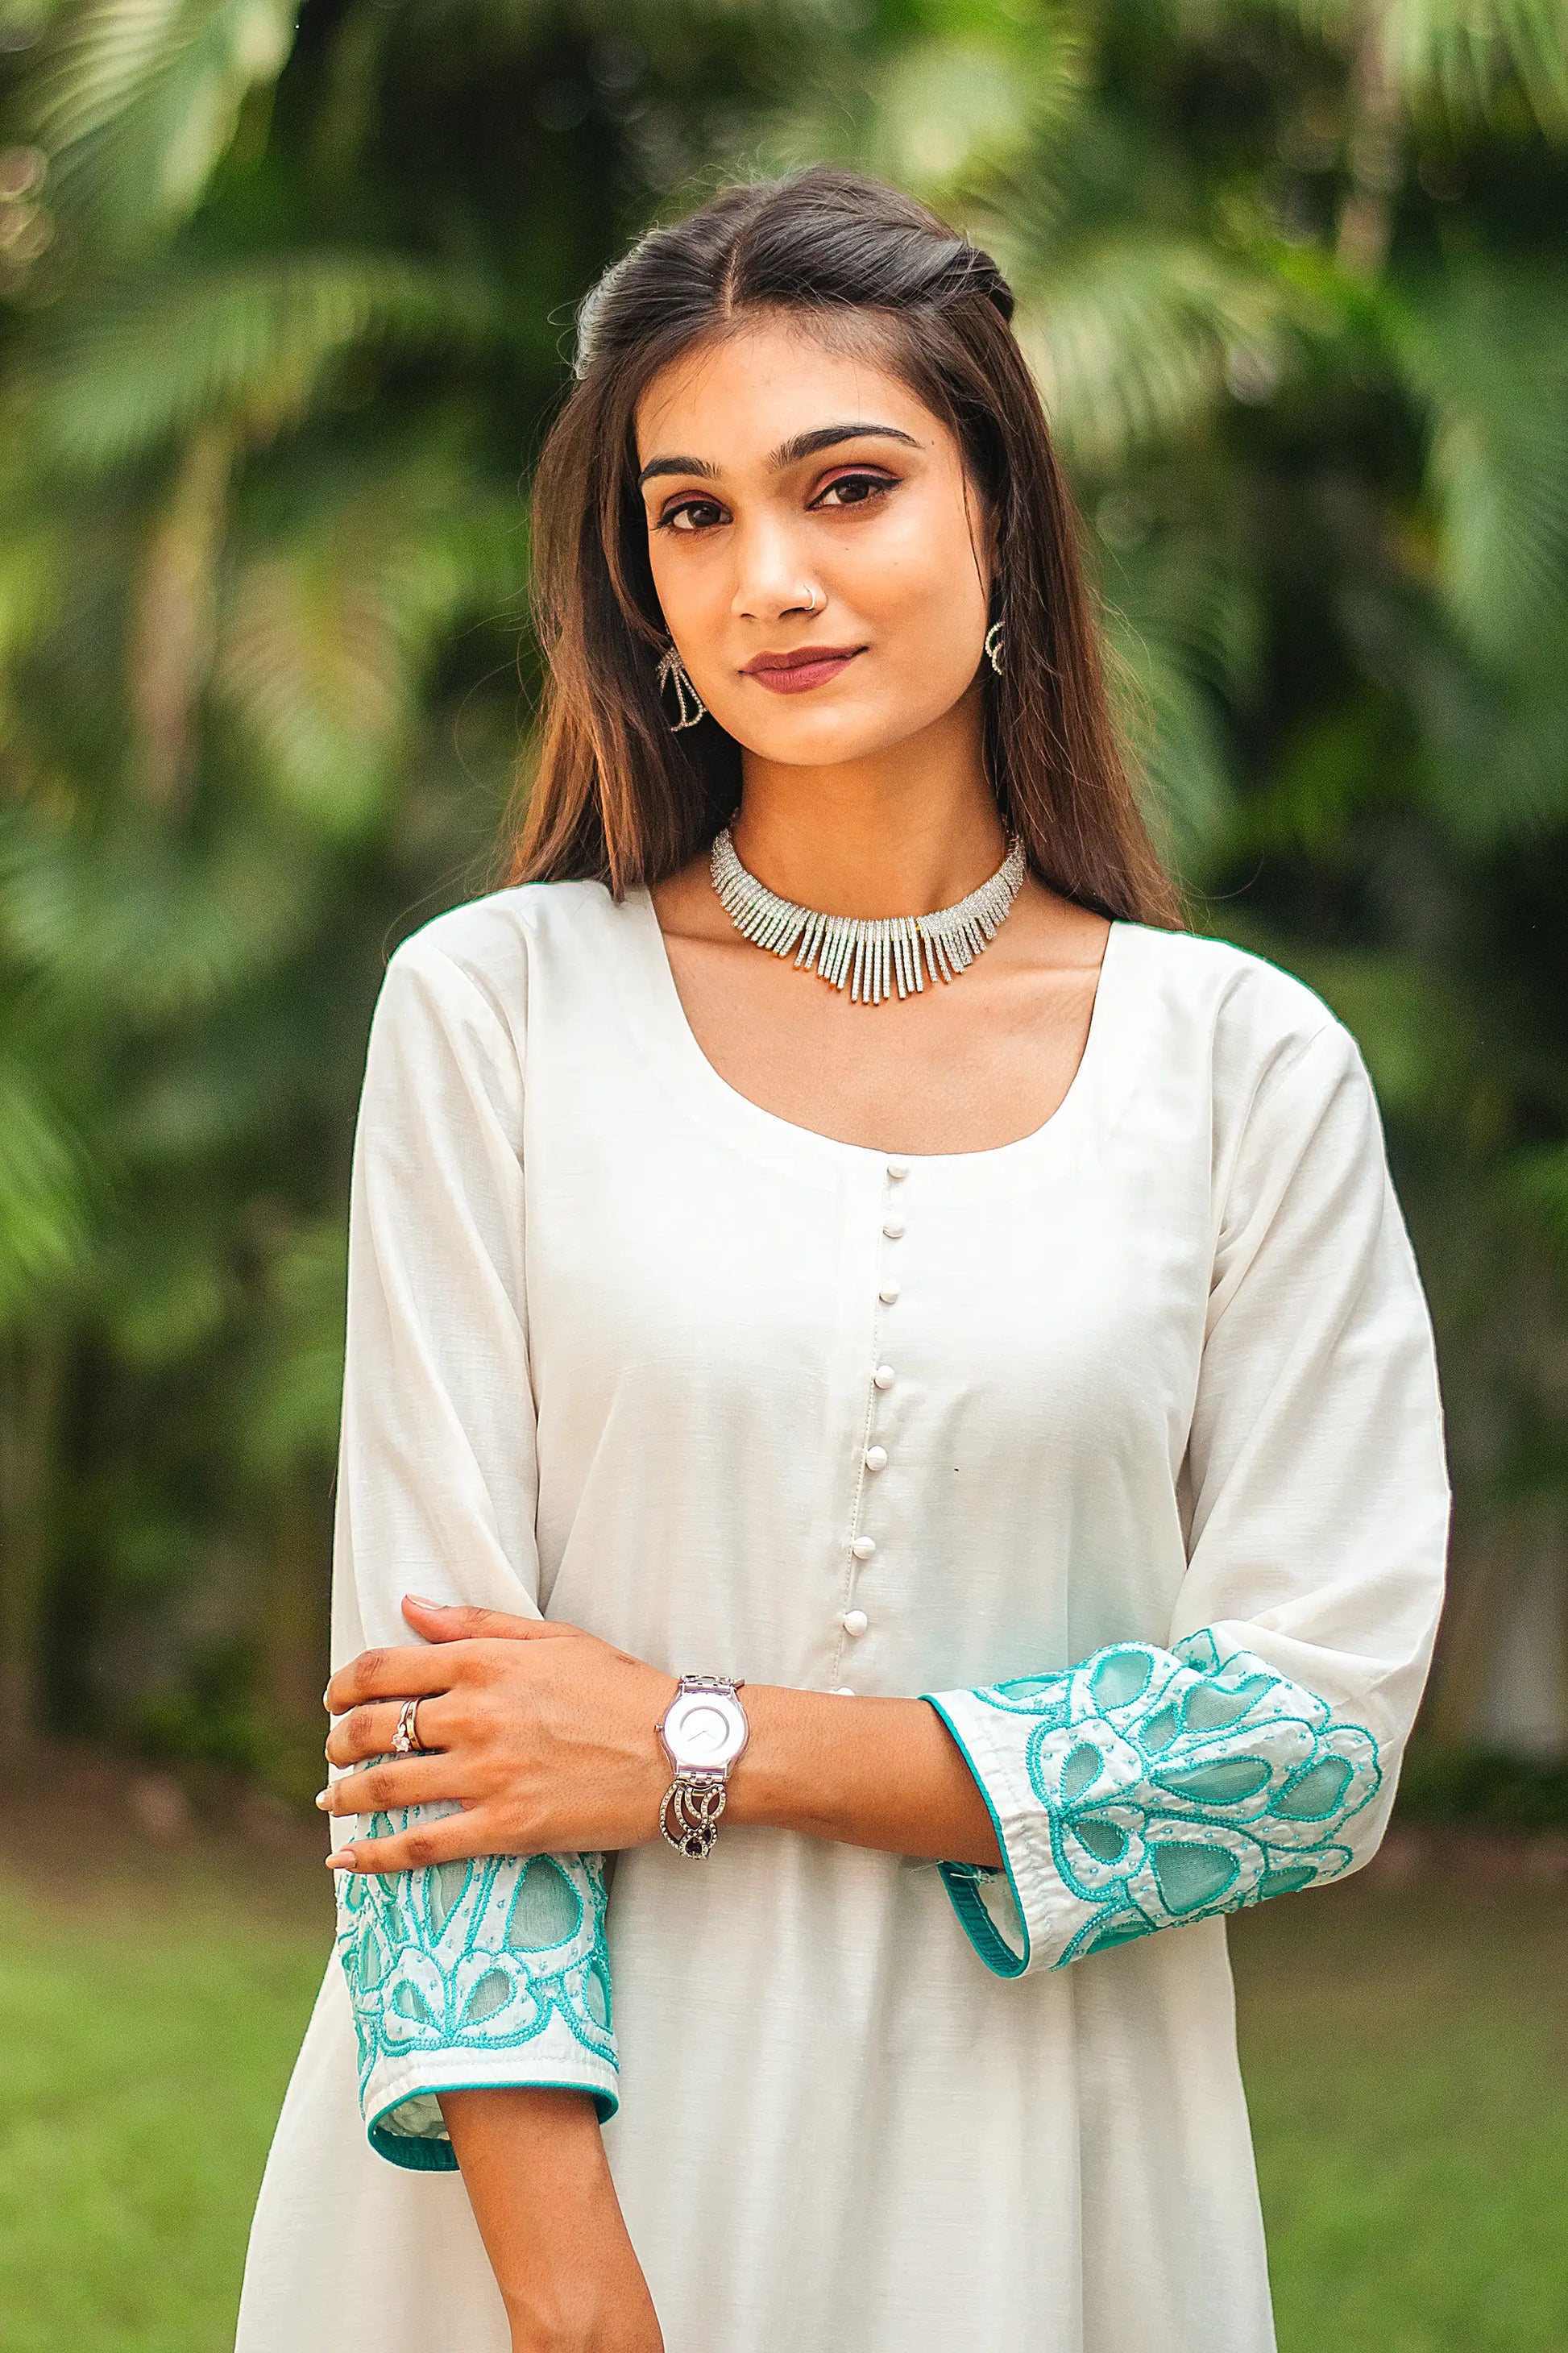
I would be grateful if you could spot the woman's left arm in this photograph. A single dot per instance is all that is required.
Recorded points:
(1259, 1754)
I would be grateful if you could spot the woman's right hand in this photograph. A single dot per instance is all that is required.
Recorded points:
(534, 2167)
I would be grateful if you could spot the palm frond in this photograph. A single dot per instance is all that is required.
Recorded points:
(136, 918)
(1486, 350)
(1457, 58)
(160, 348)
(938, 114)
(1136, 339)
(1462, 55)
(133, 103)
(327, 634)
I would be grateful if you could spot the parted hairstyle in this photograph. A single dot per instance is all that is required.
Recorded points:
(620, 799)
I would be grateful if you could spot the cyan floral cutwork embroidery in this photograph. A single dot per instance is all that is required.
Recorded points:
(473, 1956)
(1176, 1785)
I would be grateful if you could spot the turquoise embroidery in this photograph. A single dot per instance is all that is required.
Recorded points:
(1176, 1785)
(473, 1956)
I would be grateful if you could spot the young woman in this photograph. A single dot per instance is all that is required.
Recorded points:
(988, 1339)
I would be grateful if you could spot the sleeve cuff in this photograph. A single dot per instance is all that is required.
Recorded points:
(990, 1901)
(402, 2115)
(491, 1971)
(1144, 1789)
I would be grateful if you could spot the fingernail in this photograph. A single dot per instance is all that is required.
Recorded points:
(327, 1697)
(342, 1860)
(424, 1601)
(324, 1798)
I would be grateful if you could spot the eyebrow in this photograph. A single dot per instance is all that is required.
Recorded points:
(788, 453)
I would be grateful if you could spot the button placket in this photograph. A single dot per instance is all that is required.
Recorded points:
(853, 1621)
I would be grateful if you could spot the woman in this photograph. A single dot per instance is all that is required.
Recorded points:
(992, 1342)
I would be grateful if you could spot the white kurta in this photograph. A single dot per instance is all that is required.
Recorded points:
(1149, 1396)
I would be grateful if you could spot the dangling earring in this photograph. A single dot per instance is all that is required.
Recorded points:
(993, 646)
(688, 703)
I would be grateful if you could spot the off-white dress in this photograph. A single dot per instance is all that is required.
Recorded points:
(1121, 1443)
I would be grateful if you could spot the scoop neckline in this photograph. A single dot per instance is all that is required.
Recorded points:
(671, 1045)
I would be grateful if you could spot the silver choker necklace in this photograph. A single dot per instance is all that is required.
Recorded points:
(871, 955)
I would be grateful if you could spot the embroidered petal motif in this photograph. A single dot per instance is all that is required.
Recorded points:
(1172, 1784)
(465, 1957)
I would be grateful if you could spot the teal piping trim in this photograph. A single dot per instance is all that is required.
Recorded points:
(962, 1880)
(434, 2153)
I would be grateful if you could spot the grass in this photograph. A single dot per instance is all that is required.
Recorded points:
(1406, 2049)
(1406, 2060)
(148, 2044)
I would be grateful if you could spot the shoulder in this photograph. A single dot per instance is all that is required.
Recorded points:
(493, 947)
(1251, 1021)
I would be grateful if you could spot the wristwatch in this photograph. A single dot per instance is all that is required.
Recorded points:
(703, 1729)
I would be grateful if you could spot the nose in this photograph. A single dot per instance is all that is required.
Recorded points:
(771, 576)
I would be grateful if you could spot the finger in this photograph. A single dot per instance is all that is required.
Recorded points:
(449, 1840)
(384, 1787)
(458, 1621)
(370, 1730)
(400, 1673)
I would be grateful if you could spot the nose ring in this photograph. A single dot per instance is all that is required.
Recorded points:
(815, 607)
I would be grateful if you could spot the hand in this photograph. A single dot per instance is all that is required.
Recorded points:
(545, 1735)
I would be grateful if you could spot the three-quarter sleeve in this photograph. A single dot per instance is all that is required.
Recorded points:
(492, 1972)
(1257, 1751)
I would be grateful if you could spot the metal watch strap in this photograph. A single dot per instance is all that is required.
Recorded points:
(695, 1799)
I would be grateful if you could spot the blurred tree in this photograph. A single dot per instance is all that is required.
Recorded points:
(282, 311)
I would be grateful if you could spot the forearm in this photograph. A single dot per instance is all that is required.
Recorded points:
(535, 2168)
(883, 1772)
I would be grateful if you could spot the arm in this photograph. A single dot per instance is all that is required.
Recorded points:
(561, 2253)
(1257, 1754)
(494, 1974)
(491, 1976)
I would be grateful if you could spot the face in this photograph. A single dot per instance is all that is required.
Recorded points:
(818, 550)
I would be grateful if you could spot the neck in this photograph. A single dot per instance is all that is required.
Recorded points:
(900, 832)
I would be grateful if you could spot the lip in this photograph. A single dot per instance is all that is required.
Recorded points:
(797, 672)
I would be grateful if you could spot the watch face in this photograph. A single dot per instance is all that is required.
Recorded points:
(704, 1728)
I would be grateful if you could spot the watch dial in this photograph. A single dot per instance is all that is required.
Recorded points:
(705, 1730)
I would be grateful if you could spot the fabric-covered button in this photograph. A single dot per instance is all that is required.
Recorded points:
(883, 1379)
(843, 1691)
(855, 1621)
(897, 1168)
(876, 1458)
(863, 1547)
(887, 1294)
(894, 1229)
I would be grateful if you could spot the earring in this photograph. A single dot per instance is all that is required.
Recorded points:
(690, 704)
(993, 646)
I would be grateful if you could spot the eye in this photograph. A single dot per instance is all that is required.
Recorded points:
(690, 514)
(858, 489)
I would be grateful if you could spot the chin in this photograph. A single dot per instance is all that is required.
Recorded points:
(825, 738)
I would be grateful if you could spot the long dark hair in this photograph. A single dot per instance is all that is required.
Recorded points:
(617, 798)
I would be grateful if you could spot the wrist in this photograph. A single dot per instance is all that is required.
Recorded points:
(882, 1773)
(790, 1775)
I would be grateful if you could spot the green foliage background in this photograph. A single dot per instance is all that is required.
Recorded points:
(284, 307)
